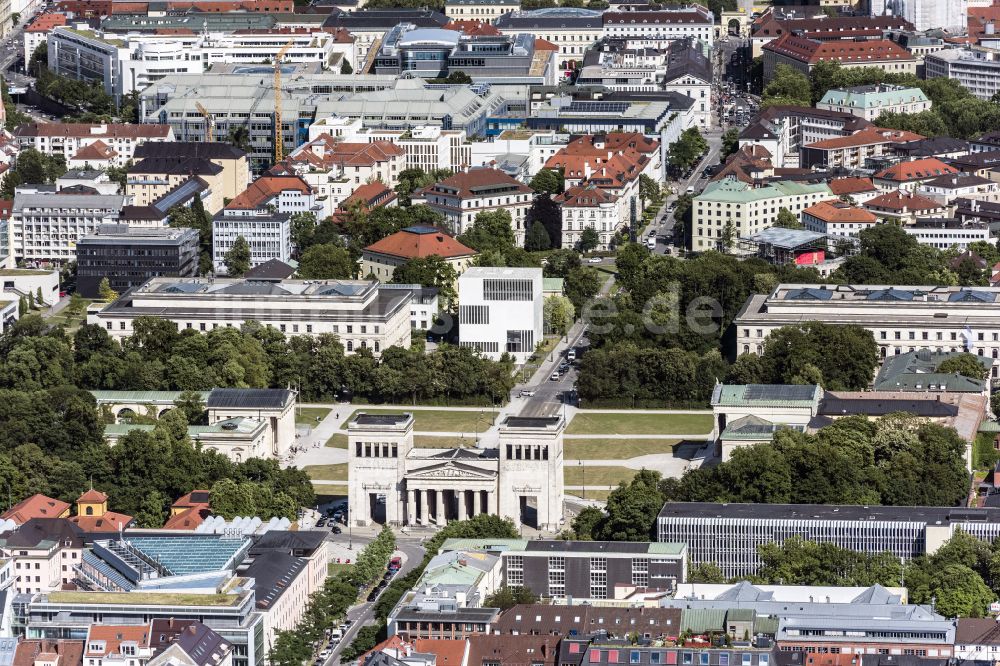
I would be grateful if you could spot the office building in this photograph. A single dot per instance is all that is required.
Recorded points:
(978, 70)
(773, 24)
(392, 482)
(163, 165)
(855, 151)
(594, 569)
(500, 311)
(369, 26)
(45, 225)
(901, 318)
(433, 53)
(947, 233)
(356, 310)
(869, 102)
(837, 218)
(129, 256)
(729, 535)
(729, 209)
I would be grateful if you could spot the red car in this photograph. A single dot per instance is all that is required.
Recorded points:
(395, 564)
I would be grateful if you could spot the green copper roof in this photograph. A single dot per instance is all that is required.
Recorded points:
(736, 191)
(766, 395)
(141, 396)
(866, 97)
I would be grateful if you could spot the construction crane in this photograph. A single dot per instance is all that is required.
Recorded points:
(279, 135)
(209, 122)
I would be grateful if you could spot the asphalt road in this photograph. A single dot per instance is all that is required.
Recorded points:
(364, 612)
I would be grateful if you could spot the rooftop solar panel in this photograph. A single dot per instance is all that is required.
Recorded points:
(779, 392)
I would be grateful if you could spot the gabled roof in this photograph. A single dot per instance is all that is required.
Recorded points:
(36, 506)
(812, 51)
(866, 137)
(112, 636)
(419, 242)
(897, 200)
(187, 149)
(472, 28)
(839, 212)
(922, 169)
(265, 189)
(851, 185)
(92, 495)
(97, 150)
(70, 653)
(470, 184)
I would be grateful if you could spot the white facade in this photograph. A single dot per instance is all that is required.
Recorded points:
(269, 236)
(538, 145)
(944, 236)
(978, 70)
(500, 310)
(869, 102)
(45, 226)
(45, 283)
(664, 25)
(901, 318)
(392, 482)
(67, 140)
(427, 147)
(357, 311)
(485, 11)
(926, 14)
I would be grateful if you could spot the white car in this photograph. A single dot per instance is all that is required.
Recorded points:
(527, 393)
(594, 260)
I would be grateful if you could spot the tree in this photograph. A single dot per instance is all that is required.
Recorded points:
(786, 219)
(546, 212)
(558, 314)
(326, 262)
(964, 364)
(22, 306)
(589, 240)
(537, 238)
(506, 597)
(303, 231)
(686, 151)
(845, 355)
(649, 189)
(239, 136)
(458, 77)
(549, 181)
(105, 291)
(581, 284)
(345, 67)
(587, 522)
(706, 572)
(730, 143)
(491, 230)
(432, 271)
(192, 406)
(237, 259)
(960, 592)
(787, 86)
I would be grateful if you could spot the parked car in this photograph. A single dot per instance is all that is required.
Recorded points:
(334, 529)
(373, 595)
(554, 377)
(594, 260)
(527, 393)
(395, 564)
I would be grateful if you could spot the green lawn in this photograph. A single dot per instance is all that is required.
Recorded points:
(608, 423)
(337, 567)
(443, 420)
(71, 321)
(590, 494)
(310, 416)
(336, 472)
(431, 442)
(619, 449)
(328, 492)
(574, 475)
(338, 441)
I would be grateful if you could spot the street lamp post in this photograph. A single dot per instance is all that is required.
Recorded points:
(583, 474)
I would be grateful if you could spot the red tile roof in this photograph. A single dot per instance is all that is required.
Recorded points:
(36, 506)
(545, 45)
(110, 521)
(842, 186)
(898, 201)
(469, 184)
(837, 211)
(92, 495)
(325, 151)
(419, 242)
(811, 51)
(584, 196)
(265, 189)
(371, 195)
(472, 28)
(124, 130)
(27, 651)
(922, 169)
(46, 22)
(113, 635)
(615, 142)
(867, 137)
(97, 150)
(188, 519)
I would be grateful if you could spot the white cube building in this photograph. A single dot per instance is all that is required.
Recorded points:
(500, 310)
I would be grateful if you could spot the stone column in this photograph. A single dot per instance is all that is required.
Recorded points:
(441, 520)
(491, 502)
(424, 512)
(462, 496)
(411, 507)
